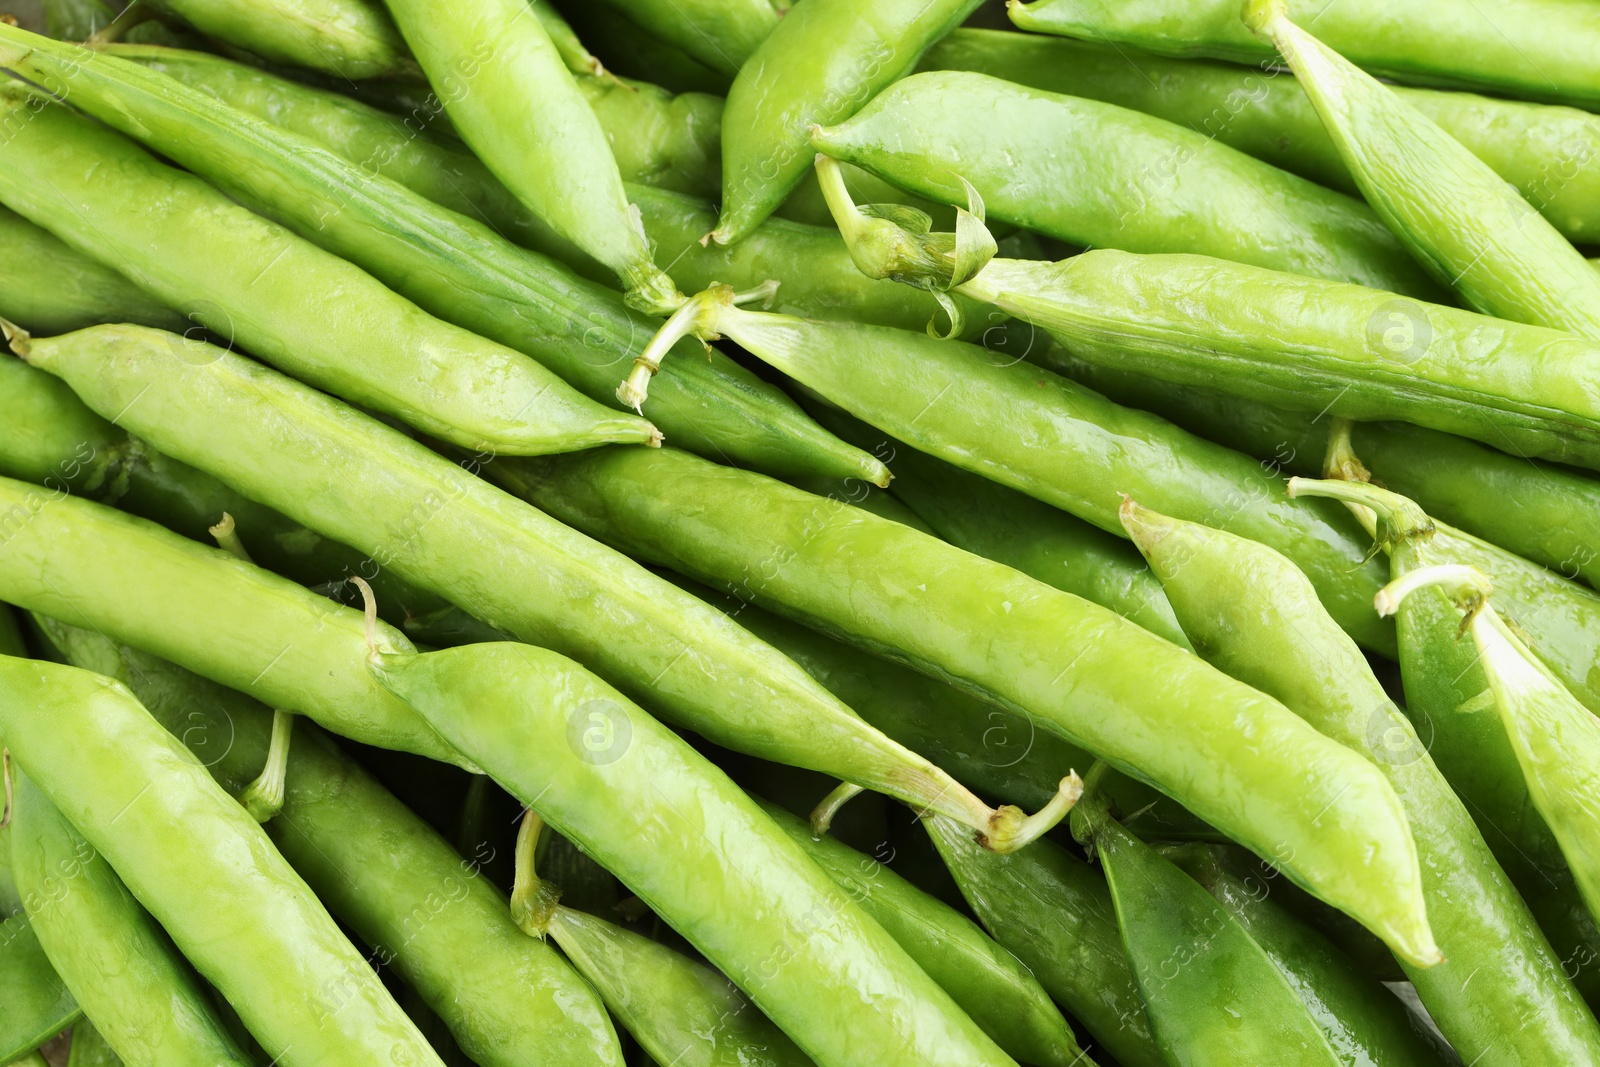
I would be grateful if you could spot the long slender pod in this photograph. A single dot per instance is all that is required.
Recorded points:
(349, 39)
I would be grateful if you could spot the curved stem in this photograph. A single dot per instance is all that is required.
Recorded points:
(1469, 587)
(1010, 829)
(533, 900)
(1399, 519)
(1340, 462)
(263, 798)
(5, 773)
(369, 607)
(226, 533)
(697, 317)
(822, 815)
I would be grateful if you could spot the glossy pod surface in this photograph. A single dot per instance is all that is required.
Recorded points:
(511, 565)
(425, 910)
(906, 595)
(694, 848)
(1537, 49)
(1103, 176)
(345, 38)
(118, 962)
(203, 868)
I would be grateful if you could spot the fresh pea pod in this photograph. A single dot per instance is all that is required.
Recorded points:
(1079, 451)
(1553, 159)
(1533, 49)
(46, 286)
(89, 1049)
(551, 151)
(203, 868)
(1099, 175)
(990, 984)
(217, 615)
(629, 50)
(459, 269)
(350, 39)
(693, 847)
(823, 62)
(293, 448)
(1459, 218)
(1053, 911)
(424, 910)
(253, 282)
(722, 34)
(1253, 614)
(38, 1003)
(681, 1012)
(1212, 994)
(118, 962)
(578, 59)
(1019, 643)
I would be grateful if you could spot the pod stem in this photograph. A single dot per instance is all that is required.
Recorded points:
(1010, 829)
(1398, 518)
(822, 815)
(1341, 462)
(369, 609)
(263, 798)
(1094, 809)
(1469, 587)
(227, 537)
(698, 318)
(19, 339)
(533, 900)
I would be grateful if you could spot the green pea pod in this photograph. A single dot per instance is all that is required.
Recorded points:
(1019, 643)
(990, 984)
(1053, 911)
(47, 287)
(38, 1003)
(1459, 218)
(434, 523)
(423, 909)
(722, 34)
(117, 961)
(1534, 49)
(253, 282)
(1103, 176)
(551, 152)
(53, 440)
(1212, 995)
(203, 868)
(701, 854)
(202, 607)
(660, 139)
(345, 38)
(1356, 1012)
(822, 63)
(1553, 161)
(457, 268)
(1253, 614)
(89, 1049)
(1080, 450)
(567, 45)
(989, 520)
(629, 50)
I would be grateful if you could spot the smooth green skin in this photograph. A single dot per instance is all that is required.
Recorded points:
(437, 525)
(1103, 176)
(990, 984)
(1064, 445)
(1250, 612)
(562, 36)
(1053, 911)
(89, 1049)
(824, 61)
(1154, 711)
(1043, 542)
(1363, 1021)
(462, 270)
(119, 964)
(629, 51)
(695, 849)
(38, 1003)
(1557, 742)
(1461, 220)
(423, 909)
(1314, 346)
(1212, 995)
(1532, 49)
(680, 1011)
(662, 140)
(203, 868)
(48, 288)
(1550, 154)
(512, 99)
(346, 38)
(722, 34)
(202, 607)
(255, 283)
(53, 440)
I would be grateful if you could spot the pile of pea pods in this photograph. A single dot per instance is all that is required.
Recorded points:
(772, 533)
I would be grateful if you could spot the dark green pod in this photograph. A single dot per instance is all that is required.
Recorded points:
(38, 1003)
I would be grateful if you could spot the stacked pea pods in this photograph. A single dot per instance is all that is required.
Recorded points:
(844, 532)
